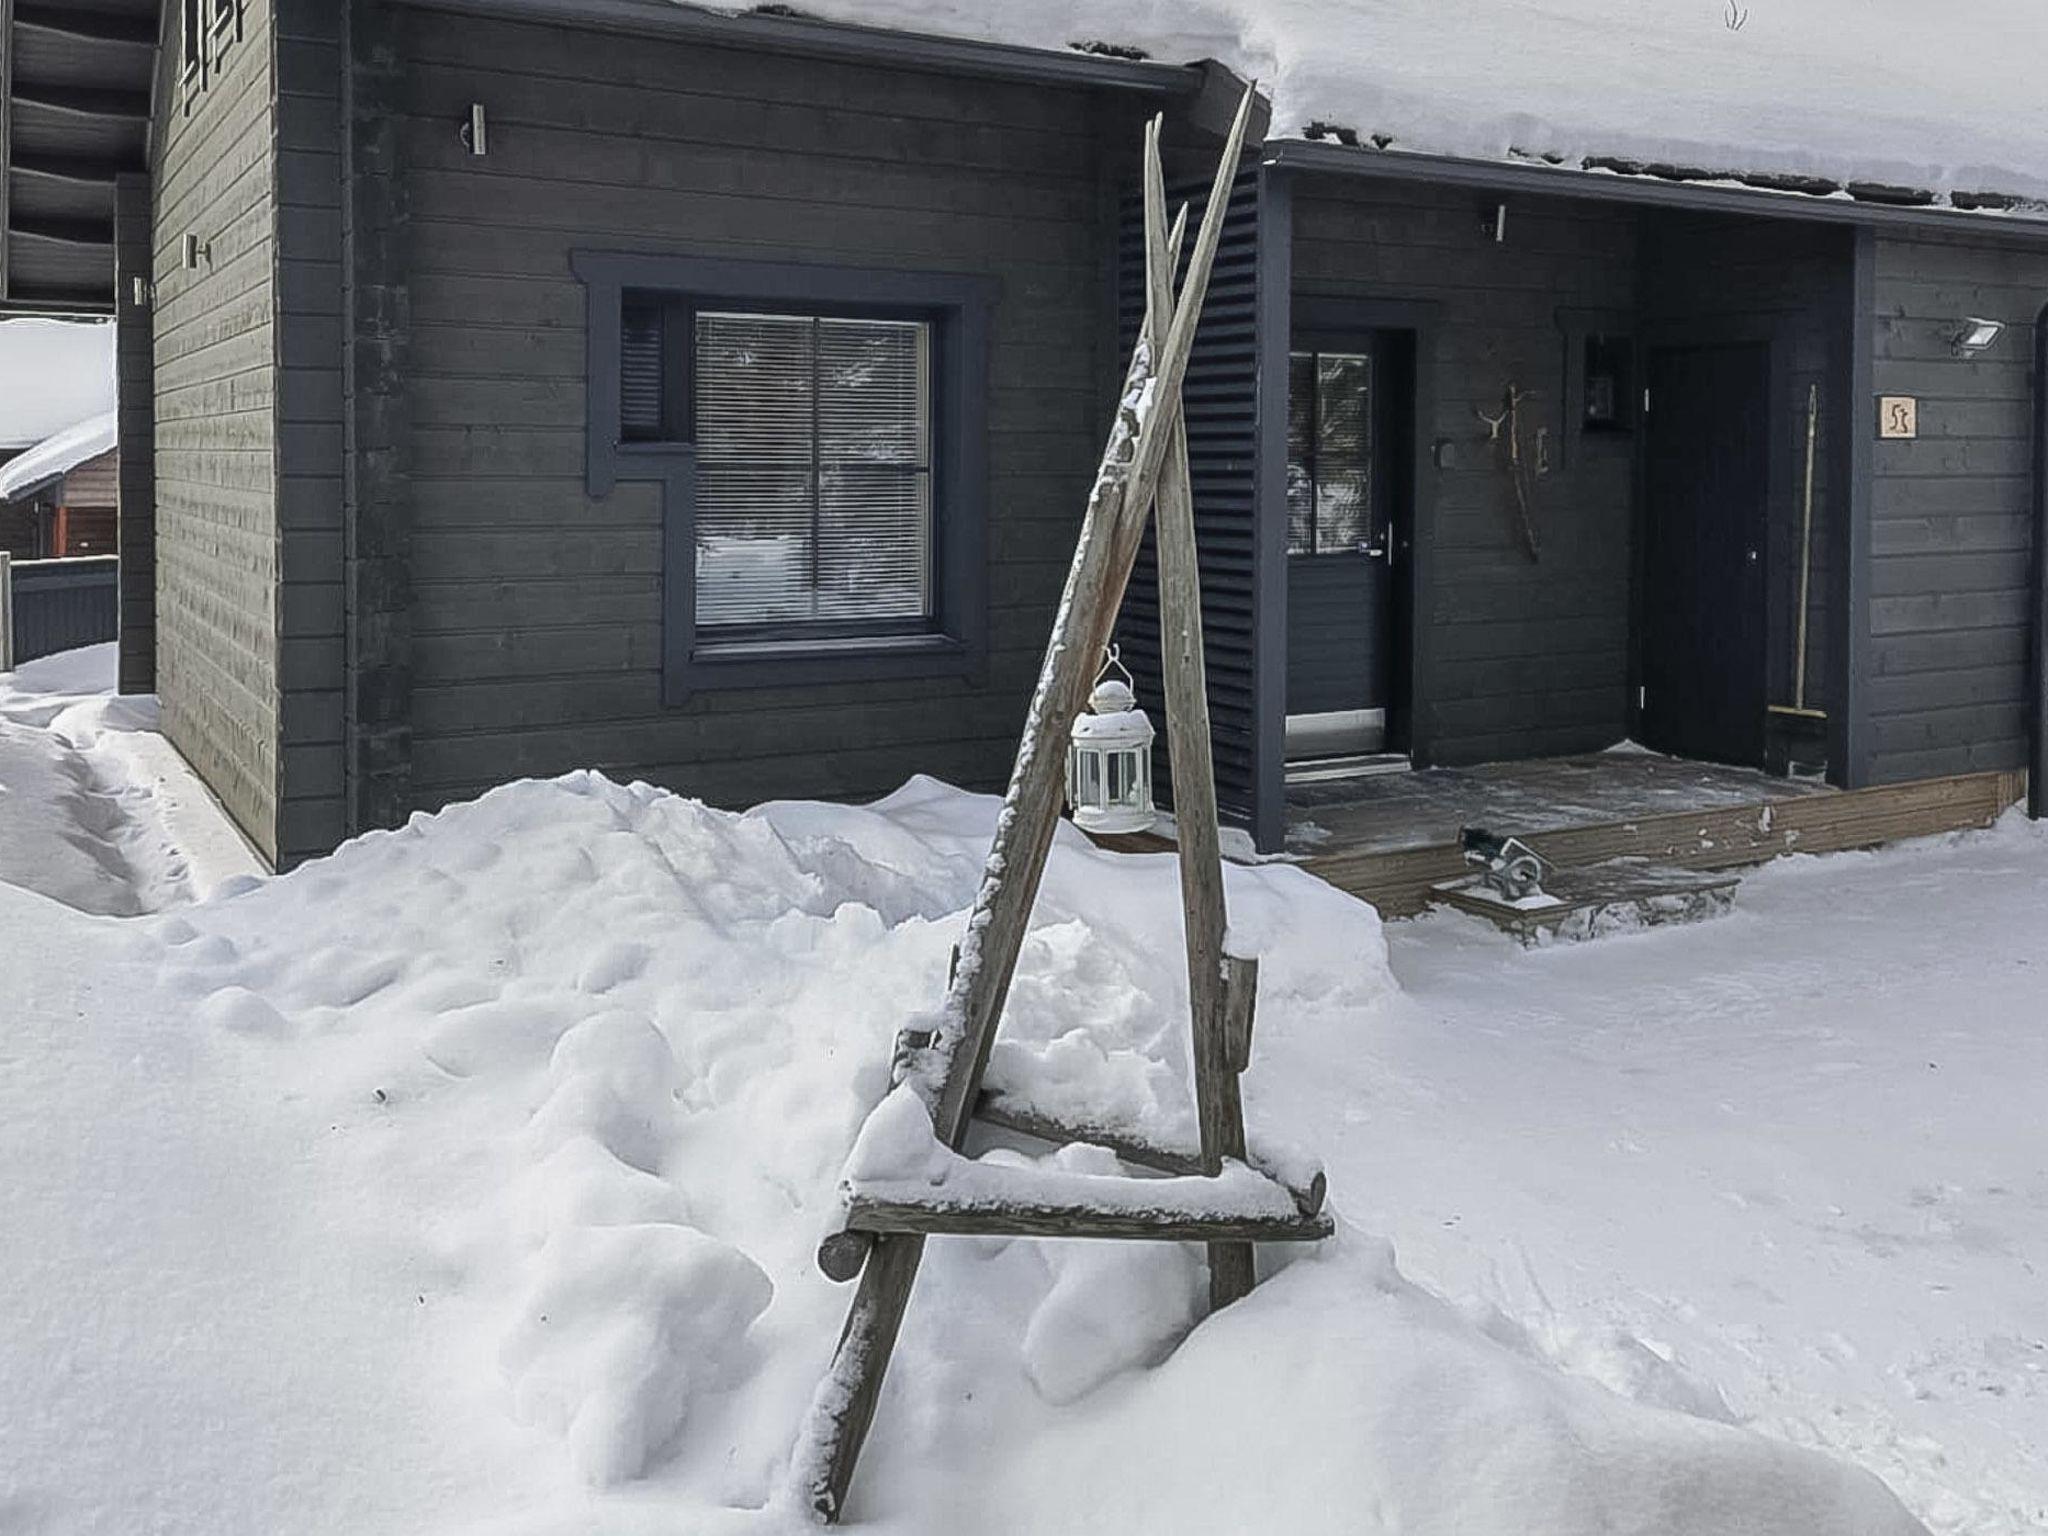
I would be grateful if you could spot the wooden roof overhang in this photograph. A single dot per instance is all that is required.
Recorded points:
(783, 29)
(76, 114)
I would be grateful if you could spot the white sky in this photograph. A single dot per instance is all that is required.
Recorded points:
(53, 374)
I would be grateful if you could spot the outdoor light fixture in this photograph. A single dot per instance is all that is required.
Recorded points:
(196, 251)
(476, 132)
(1976, 334)
(1109, 762)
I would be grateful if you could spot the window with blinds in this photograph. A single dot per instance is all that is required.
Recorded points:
(813, 467)
(1330, 489)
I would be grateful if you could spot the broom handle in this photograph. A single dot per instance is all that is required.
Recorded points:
(1806, 545)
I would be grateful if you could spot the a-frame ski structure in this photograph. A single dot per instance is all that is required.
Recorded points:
(1215, 1193)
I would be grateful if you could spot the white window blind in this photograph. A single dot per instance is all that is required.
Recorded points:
(1329, 453)
(814, 471)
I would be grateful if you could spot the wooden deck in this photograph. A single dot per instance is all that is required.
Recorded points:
(1389, 839)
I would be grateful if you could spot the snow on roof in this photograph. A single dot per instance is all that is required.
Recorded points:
(57, 455)
(52, 373)
(1946, 99)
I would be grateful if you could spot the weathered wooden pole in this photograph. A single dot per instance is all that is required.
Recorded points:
(1218, 1111)
(947, 1071)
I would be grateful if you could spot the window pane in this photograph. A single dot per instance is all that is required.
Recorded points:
(814, 487)
(874, 543)
(1301, 480)
(872, 389)
(754, 548)
(1343, 450)
(1341, 511)
(754, 388)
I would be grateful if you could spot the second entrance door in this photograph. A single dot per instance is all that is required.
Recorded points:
(1344, 540)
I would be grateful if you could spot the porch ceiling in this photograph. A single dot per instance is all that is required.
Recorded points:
(77, 75)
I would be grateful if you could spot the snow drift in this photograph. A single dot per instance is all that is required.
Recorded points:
(1944, 98)
(470, 1178)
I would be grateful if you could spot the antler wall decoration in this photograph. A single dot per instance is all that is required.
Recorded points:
(1507, 427)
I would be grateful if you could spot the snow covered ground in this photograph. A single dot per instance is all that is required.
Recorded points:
(96, 809)
(470, 1180)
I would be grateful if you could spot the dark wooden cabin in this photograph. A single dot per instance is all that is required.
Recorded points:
(453, 332)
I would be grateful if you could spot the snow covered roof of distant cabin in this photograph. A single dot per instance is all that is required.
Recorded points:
(56, 455)
(1888, 100)
(52, 373)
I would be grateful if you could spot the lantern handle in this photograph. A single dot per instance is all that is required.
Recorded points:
(1113, 656)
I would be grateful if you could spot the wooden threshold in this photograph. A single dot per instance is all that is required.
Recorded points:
(1729, 837)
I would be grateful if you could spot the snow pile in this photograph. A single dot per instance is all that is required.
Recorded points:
(470, 1179)
(1943, 98)
(53, 373)
(58, 454)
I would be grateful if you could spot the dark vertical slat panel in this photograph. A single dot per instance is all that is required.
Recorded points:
(135, 369)
(60, 605)
(1221, 401)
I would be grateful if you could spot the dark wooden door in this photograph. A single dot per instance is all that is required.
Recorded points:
(1342, 542)
(1707, 488)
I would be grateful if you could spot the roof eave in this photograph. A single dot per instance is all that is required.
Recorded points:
(811, 38)
(1512, 176)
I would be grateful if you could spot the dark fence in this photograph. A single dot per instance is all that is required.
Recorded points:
(61, 604)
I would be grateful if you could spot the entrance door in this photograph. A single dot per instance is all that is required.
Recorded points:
(1707, 485)
(1344, 485)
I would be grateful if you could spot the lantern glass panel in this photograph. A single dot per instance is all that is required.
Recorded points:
(1091, 778)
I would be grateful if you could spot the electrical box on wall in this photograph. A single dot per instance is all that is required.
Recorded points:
(1610, 395)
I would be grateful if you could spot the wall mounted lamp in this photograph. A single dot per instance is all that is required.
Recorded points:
(1976, 335)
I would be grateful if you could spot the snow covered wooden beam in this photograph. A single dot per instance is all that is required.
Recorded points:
(903, 1213)
(1240, 1204)
(1302, 1177)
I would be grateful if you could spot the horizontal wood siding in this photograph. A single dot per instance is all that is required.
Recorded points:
(1708, 280)
(95, 483)
(1530, 658)
(536, 614)
(1948, 673)
(217, 547)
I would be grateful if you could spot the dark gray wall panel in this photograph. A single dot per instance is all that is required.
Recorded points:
(135, 366)
(310, 461)
(1948, 678)
(1709, 279)
(1524, 658)
(535, 610)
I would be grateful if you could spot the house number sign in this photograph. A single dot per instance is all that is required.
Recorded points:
(1898, 416)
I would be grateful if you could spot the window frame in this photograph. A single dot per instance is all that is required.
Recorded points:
(959, 309)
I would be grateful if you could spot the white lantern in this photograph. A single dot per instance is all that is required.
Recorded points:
(1109, 762)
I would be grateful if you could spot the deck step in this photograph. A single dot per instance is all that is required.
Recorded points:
(1591, 901)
